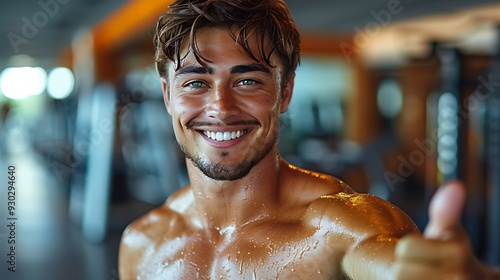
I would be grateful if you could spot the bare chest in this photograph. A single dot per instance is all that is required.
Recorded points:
(245, 255)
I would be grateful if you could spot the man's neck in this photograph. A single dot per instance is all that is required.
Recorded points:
(226, 205)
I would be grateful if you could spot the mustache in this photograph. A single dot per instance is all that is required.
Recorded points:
(192, 124)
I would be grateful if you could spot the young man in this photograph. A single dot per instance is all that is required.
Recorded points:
(227, 70)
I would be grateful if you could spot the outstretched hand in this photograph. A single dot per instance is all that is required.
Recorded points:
(444, 251)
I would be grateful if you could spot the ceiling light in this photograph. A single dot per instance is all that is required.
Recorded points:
(60, 83)
(22, 82)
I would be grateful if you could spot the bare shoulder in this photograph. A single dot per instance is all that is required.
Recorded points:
(308, 185)
(164, 219)
(164, 222)
(331, 203)
(360, 215)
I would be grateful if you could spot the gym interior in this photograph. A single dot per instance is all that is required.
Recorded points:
(392, 97)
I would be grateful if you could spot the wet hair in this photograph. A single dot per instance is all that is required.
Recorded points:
(268, 21)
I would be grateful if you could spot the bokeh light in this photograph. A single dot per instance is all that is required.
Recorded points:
(60, 83)
(22, 82)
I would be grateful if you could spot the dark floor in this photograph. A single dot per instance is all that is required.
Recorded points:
(48, 245)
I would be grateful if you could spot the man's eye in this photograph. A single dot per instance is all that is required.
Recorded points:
(196, 84)
(247, 82)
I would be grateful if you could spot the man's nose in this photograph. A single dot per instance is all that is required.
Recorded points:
(222, 103)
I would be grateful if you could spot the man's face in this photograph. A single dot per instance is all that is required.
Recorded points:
(225, 112)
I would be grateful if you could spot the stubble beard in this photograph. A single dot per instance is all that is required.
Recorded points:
(229, 172)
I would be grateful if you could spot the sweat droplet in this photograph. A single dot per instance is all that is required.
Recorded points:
(301, 255)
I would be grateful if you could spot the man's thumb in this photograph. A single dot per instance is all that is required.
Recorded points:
(445, 210)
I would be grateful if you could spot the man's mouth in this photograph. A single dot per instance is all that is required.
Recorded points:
(226, 135)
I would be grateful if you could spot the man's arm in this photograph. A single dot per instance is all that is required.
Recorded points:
(370, 259)
(442, 252)
(364, 227)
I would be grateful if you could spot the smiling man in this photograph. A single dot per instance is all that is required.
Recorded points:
(227, 68)
(222, 105)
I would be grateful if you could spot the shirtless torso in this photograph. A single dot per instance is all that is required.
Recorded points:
(318, 222)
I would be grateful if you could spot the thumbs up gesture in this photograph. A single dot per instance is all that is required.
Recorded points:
(444, 251)
(445, 211)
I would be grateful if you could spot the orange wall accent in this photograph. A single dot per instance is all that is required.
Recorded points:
(131, 20)
(129, 23)
(328, 44)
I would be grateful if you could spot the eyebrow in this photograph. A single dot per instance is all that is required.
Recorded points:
(251, 67)
(194, 70)
(238, 69)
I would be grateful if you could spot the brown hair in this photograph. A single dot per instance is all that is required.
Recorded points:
(268, 20)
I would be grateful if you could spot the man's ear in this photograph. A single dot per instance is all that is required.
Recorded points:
(286, 96)
(166, 96)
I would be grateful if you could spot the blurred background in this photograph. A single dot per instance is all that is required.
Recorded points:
(393, 97)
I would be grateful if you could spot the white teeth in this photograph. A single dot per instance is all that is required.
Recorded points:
(224, 136)
(219, 136)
